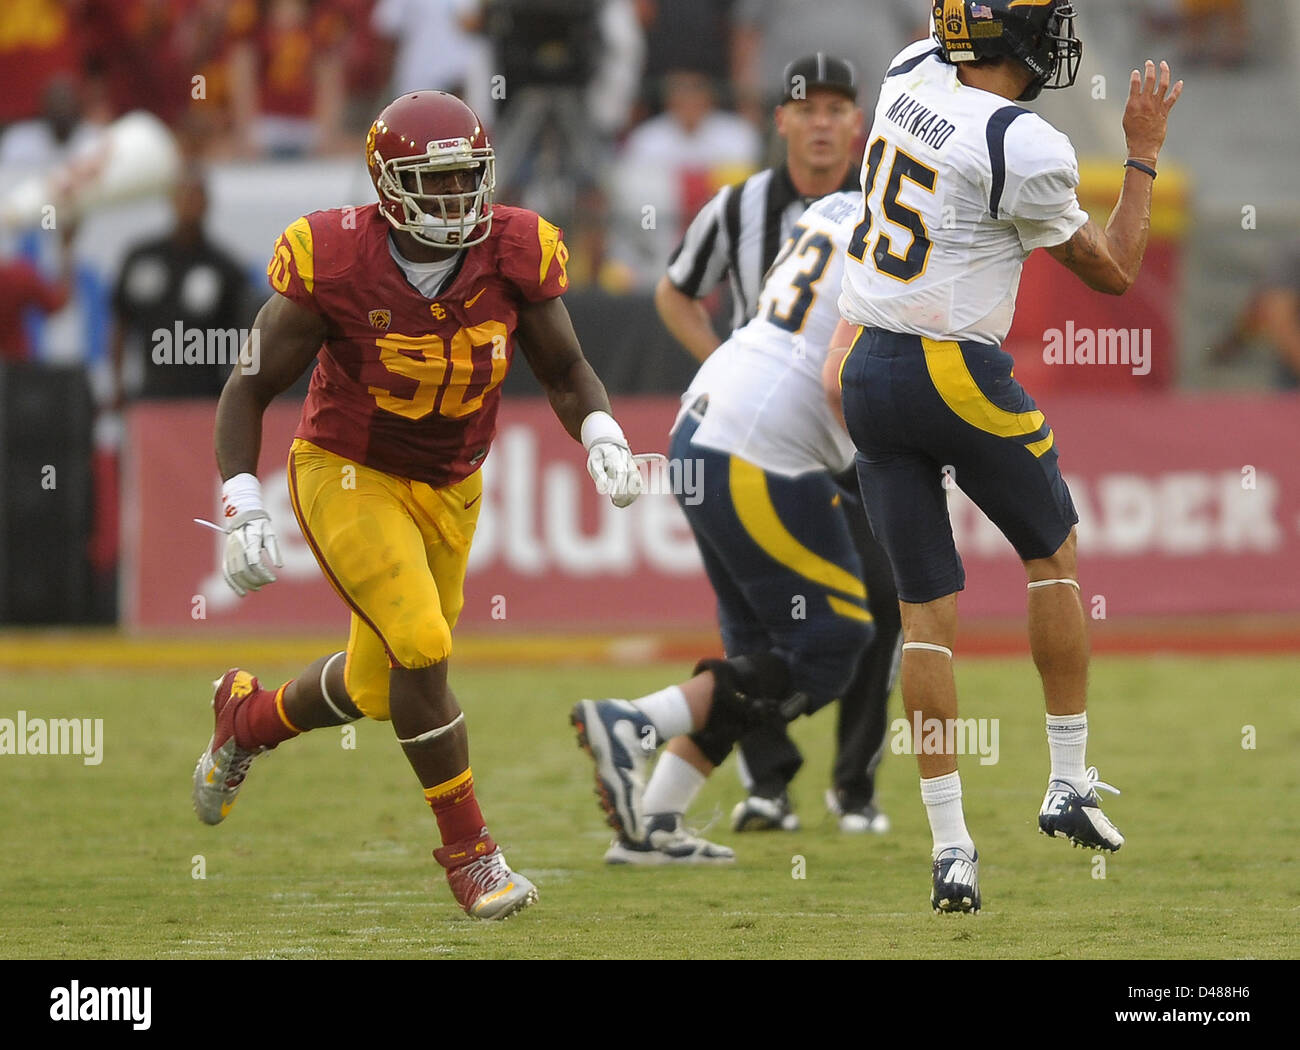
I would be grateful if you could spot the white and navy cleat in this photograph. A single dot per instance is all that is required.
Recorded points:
(1068, 814)
(668, 842)
(620, 739)
(955, 881)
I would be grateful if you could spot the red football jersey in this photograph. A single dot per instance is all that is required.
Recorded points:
(405, 384)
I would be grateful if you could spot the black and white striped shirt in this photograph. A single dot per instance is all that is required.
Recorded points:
(738, 234)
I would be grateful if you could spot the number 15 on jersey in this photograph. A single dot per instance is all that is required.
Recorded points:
(890, 255)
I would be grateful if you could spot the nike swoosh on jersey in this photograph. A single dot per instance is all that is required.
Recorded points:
(470, 503)
(471, 302)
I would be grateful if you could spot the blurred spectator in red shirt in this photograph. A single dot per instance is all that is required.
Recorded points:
(37, 43)
(132, 45)
(367, 60)
(286, 77)
(201, 40)
(21, 287)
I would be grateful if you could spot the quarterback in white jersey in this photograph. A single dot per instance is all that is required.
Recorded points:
(992, 181)
(960, 185)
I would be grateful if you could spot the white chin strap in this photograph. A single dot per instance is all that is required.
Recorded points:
(437, 230)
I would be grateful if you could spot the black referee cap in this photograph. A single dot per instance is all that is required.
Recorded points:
(819, 71)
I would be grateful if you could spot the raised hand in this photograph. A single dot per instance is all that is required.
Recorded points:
(1146, 116)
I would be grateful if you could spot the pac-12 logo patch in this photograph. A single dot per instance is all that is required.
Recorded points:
(381, 319)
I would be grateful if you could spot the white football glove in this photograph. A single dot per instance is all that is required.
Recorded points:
(248, 535)
(609, 460)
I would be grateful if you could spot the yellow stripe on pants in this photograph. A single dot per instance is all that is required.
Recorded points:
(754, 507)
(960, 392)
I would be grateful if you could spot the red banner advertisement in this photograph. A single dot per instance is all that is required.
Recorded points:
(1187, 506)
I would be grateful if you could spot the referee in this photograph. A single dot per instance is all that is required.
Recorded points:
(736, 237)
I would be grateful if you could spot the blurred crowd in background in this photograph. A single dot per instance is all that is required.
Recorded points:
(595, 107)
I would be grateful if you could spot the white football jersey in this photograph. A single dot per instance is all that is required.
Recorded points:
(961, 185)
(766, 402)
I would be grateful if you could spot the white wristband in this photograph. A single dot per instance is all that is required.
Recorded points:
(599, 426)
(243, 492)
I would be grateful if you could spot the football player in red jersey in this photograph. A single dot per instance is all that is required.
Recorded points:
(413, 306)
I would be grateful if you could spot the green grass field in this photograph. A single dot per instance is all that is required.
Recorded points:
(327, 854)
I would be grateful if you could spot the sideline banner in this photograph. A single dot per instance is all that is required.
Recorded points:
(1187, 506)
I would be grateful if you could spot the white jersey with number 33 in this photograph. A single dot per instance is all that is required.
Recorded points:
(766, 402)
(961, 185)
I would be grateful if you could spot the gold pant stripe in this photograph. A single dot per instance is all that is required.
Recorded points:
(753, 503)
(1040, 447)
(845, 359)
(848, 609)
(960, 392)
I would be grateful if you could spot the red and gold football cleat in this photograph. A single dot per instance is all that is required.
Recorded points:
(480, 879)
(224, 765)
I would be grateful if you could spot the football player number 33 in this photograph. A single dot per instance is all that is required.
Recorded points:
(443, 374)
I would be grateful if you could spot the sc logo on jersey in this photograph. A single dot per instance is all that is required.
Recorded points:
(438, 311)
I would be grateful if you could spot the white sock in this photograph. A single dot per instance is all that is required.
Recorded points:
(942, 798)
(673, 786)
(1067, 740)
(668, 712)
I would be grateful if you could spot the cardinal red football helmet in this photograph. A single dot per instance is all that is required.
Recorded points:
(417, 139)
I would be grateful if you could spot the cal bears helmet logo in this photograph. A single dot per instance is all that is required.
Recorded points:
(950, 19)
